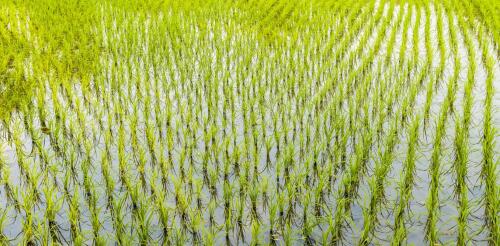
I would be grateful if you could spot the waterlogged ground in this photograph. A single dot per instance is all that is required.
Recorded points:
(372, 122)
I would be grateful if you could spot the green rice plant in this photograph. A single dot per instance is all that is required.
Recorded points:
(435, 163)
(96, 226)
(382, 167)
(254, 195)
(427, 32)
(366, 61)
(238, 207)
(256, 231)
(461, 188)
(3, 219)
(228, 212)
(488, 163)
(350, 183)
(462, 140)
(222, 121)
(447, 106)
(11, 190)
(53, 205)
(416, 34)
(406, 183)
(16, 84)
(3, 161)
(490, 22)
(74, 217)
(341, 50)
(29, 223)
(143, 218)
(119, 225)
(440, 69)
(363, 157)
(394, 31)
(42, 233)
(208, 237)
(403, 47)
(441, 43)
(163, 210)
(273, 222)
(42, 152)
(31, 176)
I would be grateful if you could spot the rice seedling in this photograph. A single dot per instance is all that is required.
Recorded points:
(406, 183)
(247, 122)
(3, 221)
(489, 165)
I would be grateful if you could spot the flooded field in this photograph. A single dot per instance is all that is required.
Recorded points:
(249, 123)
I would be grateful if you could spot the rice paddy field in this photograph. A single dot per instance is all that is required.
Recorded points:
(249, 122)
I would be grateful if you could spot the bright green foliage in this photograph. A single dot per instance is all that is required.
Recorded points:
(249, 122)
